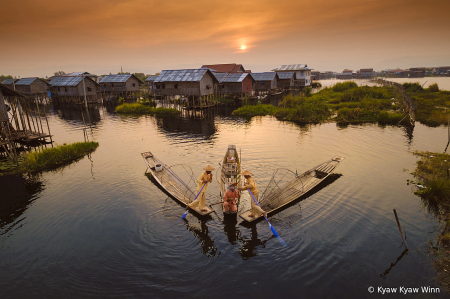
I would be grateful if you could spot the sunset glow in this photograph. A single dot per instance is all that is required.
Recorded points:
(39, 38)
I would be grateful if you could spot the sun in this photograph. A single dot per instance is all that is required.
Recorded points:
(243, 47)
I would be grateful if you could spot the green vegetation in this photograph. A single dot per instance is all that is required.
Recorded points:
(47, 159)
(432, 172)
(433, 104)
(3, 77)
(255, 110)
(344, 102)
(141, 109)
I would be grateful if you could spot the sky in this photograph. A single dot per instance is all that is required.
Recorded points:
(38, 38)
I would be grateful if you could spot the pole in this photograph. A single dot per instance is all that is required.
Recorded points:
(400, 229)
(84, 88)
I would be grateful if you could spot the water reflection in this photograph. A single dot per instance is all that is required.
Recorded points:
(202, 234)
(18, 193)
(191, 122)
(386, 272)
(78, 113)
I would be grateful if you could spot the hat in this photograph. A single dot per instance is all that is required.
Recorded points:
(233, 184)
(209, 168)
(246, 172)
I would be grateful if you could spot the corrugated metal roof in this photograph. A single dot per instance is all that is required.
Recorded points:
(292, 67)
(235, 77)
(8, 81)
(286, 75)
(220, 76)
(267, 76)
(25, 81)
(66, 81)
(119, 78)
(185, 75)
(224, 68)
(151, 78)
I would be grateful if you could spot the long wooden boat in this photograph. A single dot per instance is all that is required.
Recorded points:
(275, 196)
(171, 182)
(230, 172)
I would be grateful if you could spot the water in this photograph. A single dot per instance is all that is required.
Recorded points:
(443, 82)
(102, 228)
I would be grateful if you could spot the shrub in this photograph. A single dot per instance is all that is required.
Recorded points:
(339, 87)
(433, 87)
(412, 86)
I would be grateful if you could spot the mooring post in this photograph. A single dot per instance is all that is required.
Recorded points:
(400, 229)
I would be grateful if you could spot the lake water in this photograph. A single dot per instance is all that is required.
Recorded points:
(102, 228)
(443, 82)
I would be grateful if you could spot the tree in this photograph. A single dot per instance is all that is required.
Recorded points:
(3, 77)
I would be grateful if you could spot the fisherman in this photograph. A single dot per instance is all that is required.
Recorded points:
(204, 178)
(255, 210)
(229, 199)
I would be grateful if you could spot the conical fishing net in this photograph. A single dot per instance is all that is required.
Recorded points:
(179, 181)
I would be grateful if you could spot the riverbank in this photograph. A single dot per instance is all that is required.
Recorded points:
(141, 109)
(433, 187)
(47, 159)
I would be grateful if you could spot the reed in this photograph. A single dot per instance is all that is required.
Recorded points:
(255, 110)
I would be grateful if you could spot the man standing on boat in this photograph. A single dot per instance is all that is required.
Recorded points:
(250, 183)
(229, 199)
(204, 179)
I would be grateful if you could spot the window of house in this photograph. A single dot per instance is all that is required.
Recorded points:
(65, 89)
(89, 89)
(208, 86)
(175, 86)
(163, 86)
(262, 83)
(112, 84)
(222, 86)
(134, 84)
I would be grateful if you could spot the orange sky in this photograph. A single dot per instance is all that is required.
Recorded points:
(99, 36)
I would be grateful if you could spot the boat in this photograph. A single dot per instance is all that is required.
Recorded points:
(171, 182)
(230, 172)
(281, 192)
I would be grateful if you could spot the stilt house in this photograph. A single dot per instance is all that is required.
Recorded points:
(302, 73)
(120, 83)
(287, 80)
(150, 80)
(186, 82)
(235, 83)
(265, 81)
(31, 86)
(10, 83)
(73, 86)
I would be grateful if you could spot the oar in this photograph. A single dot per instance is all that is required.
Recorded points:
(270, 225)
(187, 210)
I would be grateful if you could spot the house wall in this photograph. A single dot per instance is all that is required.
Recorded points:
(25, 89)
(182, 88)
(132, 84)
(39, 86)
(4, 117)
(265, 85)
(247, 84)
(206, 81)
(91, 88)
(286, 83)
(231, 87)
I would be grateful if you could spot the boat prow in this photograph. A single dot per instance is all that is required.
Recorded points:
(171, 182)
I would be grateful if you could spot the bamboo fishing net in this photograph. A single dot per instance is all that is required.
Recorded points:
(179, 181)
(284, 186)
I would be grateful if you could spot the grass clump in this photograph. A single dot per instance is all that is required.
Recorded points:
(433, 87)
(141, 109)
(50, 158)
(255, 110)
(432, 172)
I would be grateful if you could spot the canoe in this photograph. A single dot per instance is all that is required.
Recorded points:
(171, 182)
(230, 172)
(276, 196)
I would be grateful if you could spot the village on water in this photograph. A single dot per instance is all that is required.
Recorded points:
(291, 92)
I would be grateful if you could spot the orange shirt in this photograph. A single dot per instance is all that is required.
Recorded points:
(230, 196)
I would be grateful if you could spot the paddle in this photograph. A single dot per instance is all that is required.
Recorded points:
(187, 210)
(270, 225)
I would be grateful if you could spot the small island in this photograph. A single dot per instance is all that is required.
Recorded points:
(141, 109)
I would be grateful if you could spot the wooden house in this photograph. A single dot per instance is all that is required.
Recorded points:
(120, 83)
(346, 74)
(10, 83)
(287, 80)
(265, 81)
(302, 73)
(366, 73)
(186, 82)
(31, 86)
(73, 86)
(235, 83)
(226, 68)
(150, 80)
